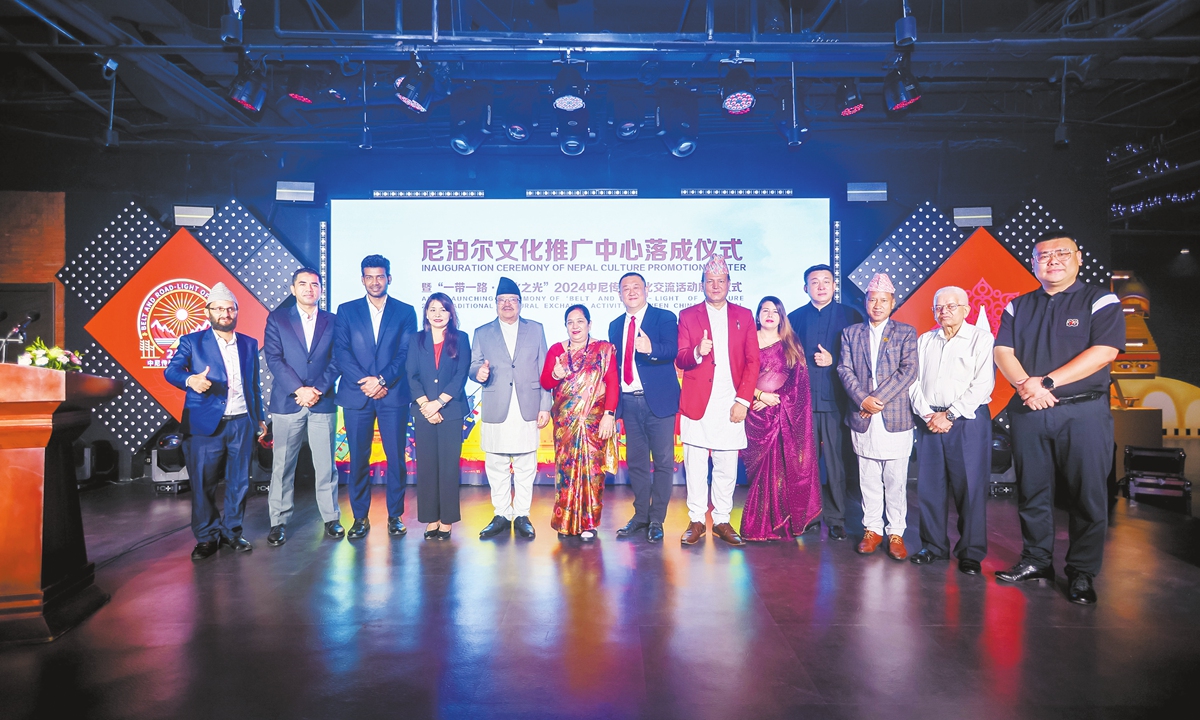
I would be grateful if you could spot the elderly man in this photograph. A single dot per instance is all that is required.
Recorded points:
(878, 364)
(718, 353)
(1055, 346)
(222, 410)
(954, 384)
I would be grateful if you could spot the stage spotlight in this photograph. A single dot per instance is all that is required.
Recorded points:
(790, 119)
(415, 89)
(306, 86)
(573, 131)
(470, 119)
(231, 24)
(628, 112)
(249, 89)
(170, 453)
(569, 90)
(737, 91)
(849, 99)
(906, 27)
(679, 119)
(518, 118)
(900, 89)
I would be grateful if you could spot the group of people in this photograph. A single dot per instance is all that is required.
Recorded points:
(778, 390)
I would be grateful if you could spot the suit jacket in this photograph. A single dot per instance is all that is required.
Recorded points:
(827, 392)
(743, 356)
(522, 372)
(294, 366)
(656, 370)
(358, 355)
(448, 375)
(896, 367)
(202, 412)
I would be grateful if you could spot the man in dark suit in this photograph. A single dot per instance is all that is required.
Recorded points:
(298, 346)
(370, 347)
(222, 408)
(646, 339)
(819, 327)
(877, 366)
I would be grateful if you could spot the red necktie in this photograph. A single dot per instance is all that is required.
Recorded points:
(628, 375)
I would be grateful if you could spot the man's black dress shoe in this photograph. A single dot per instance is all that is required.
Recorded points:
(494, 528)
(837, 532)
(334, 529)
(238, 543)
(205, 549)
(395, 526)
(359, 528)
(1023, 571)
(967, 566)
(277, 536)
(925, 557)
(654, 532)
(631, 527)
(1080, 590)
(523, 527)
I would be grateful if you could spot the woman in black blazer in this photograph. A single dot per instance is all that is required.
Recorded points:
(437, 373)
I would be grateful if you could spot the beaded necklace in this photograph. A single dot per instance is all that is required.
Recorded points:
(570, 363)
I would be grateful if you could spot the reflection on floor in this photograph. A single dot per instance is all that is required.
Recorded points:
(408, 628)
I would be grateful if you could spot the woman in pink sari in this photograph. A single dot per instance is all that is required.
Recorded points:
(780, 454)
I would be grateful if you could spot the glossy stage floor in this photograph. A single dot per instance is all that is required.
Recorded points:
(407, 628)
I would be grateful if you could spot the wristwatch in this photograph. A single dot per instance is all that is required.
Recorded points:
(950, 415)
(1048, 382)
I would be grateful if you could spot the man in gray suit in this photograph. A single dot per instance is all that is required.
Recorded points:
(507, 356)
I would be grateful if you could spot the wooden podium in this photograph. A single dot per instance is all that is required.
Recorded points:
(46, 582)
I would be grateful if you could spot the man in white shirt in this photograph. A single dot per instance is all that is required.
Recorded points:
(955, 377)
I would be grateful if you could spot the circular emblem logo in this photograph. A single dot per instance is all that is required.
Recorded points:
(174, 308)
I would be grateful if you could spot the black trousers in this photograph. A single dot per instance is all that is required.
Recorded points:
(439, 450)
(1077, 440)
(648, 436)
(830, 434)
(957, 465)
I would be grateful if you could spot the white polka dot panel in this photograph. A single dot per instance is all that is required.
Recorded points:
(268, 273)
(1030, 221)
(249, 250)
(113, 256)
(133, 417)
(887, 258)
(927, 237)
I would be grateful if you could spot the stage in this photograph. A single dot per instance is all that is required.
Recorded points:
(410, 628)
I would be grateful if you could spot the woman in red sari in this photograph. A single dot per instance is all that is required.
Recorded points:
(780, 454)
(582, 372)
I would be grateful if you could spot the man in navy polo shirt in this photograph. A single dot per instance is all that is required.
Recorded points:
(1055, 347)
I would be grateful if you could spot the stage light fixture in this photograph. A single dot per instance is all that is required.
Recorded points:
(307, 86)
(679, 121)
(849, 99)
(569, 90)
(170, 453)
(573, 130)
(737, 91)
(518, 118)
(249, 88)
(906, 27)
(192, 215)
(289, 191)
(415, 89)
(900, 89)
(628, 112)
(789, 118)
(470, 119)
(231, 24)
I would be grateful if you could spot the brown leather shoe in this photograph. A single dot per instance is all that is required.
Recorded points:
(896, 547)
(726, 532)
(694, 533)
(869, 542)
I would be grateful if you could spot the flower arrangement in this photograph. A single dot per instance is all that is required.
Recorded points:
(54, 358)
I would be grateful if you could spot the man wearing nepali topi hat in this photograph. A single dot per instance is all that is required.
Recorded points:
(718, 354)
(222, 411)
(877, 367)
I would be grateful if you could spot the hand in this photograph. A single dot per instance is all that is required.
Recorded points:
(431, 408)
(370, 386)
(705, 345)
(484, 373)
(380, 394)
(737, 413)
(822, 357)
(872, 405)
(939, 423)
(560, 366)
(1041, 401)
(769, 399)
(307, 396)
(437, 418)
(199, 382)
(642, 343)
(608, 425)
(758, 406)
(543, 419)
(1030, 387)
(262, 428)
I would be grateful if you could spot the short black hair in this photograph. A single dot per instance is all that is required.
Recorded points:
(581, 308)
(1054, 235)
(305, 270)
(630, 274)
(378, 261)
(818, 268)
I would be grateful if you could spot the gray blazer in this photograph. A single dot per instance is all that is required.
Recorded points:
(524, 371)
(896, 367)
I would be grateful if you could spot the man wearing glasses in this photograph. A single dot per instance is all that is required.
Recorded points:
(954, 384)
(1055, 346)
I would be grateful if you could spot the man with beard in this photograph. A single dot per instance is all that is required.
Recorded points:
(218, 370)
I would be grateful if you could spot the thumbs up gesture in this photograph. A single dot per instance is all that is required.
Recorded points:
(484, 373)
(822, 357)
(642, 343)
(706, 345)
(200, 382)
(560, 366)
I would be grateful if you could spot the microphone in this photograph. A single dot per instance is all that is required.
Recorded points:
(32, 317)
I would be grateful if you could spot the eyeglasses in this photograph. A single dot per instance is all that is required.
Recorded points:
(1061, 255)
(949, 307)
(222, 311)
(507, 301)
